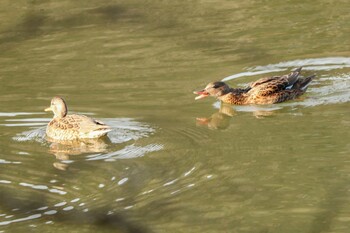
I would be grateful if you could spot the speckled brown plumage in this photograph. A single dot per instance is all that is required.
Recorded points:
(71, 127)
(269, 90)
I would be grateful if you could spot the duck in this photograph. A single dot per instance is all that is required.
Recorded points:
(65, 127)
(268, 90)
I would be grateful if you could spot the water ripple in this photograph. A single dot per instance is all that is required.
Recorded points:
(37, 134)
(31, 217)
(12, 114)
(127, 152)
(326, 63)
(3, 161)
(126, 129)
(43, 187)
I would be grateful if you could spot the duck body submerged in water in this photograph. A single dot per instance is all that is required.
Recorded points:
(72, 127)
(269, 90)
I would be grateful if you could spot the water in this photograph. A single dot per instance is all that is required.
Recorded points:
(172, 164)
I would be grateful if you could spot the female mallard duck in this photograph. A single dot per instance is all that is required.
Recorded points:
(71, 127)
(268, 90)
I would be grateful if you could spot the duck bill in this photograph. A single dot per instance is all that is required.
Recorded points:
(201, 94)
(48, 109)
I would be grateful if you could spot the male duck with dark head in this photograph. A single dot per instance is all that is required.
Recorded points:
(72, 127)
(269, 90)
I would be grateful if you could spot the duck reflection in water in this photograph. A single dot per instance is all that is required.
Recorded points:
(222, 118)
(64, 149)
(218, 120)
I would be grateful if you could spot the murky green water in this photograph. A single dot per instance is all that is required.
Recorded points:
(172, 164)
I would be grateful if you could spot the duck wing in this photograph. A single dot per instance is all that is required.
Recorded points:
(270, 85)
(86, 124)
(263, 81)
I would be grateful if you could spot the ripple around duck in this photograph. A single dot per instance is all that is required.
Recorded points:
(126, 129)
(123, 129)
(331, 85)
(37, 134)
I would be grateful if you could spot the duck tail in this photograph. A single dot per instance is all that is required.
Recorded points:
(297, 71)
(293, 76)
(303, 83)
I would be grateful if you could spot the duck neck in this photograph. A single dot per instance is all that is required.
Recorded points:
(57, 116)
(234, 97)
(61, 113)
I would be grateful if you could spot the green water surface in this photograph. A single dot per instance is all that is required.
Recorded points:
(173, 164)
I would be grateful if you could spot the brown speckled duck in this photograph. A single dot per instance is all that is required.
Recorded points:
(72, 127)
(269, 90)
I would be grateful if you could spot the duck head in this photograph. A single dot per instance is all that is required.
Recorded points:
(58, 107)
(215, 89)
